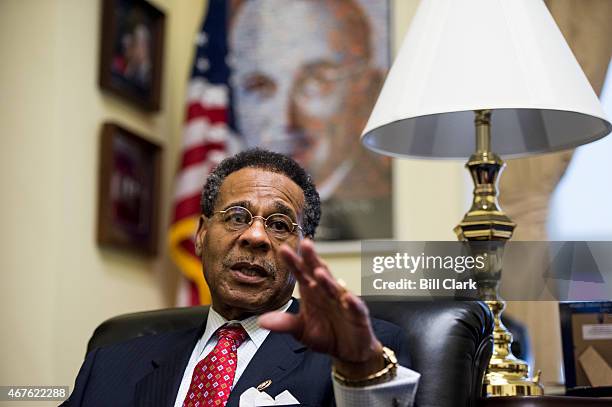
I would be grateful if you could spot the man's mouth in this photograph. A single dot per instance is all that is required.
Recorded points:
(249, 272)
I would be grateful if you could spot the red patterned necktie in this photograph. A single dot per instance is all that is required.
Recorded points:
(213, 376)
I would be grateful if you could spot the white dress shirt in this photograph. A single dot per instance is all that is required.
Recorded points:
(399, 391)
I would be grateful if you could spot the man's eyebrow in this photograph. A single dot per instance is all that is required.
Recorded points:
(280, 207)
(244, 204)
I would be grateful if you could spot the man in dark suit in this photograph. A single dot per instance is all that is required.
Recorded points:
(258, 344)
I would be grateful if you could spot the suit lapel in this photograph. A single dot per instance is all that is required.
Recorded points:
(278, 355)
(159, 388)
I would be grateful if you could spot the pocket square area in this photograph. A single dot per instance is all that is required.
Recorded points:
(255, 398)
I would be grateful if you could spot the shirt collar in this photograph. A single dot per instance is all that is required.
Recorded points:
(255, 333)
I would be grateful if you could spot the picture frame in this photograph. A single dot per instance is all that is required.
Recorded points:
(129, 191)
(586, 332)
(131, 52)
(329, 101)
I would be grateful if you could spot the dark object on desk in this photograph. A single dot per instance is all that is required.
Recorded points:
(544, 401)
(450, 342)
(605, 391)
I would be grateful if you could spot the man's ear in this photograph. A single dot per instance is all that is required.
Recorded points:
(200, 234)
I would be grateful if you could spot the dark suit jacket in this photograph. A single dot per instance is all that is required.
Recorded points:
(147, 371)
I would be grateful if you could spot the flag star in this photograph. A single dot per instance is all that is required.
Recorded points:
(201, 39)
(202, 64)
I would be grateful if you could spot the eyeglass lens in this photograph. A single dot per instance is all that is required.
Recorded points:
(238, 218)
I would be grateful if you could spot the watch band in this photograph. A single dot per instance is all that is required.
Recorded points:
(384, 375)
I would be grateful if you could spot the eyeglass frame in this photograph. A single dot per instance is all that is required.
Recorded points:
(295, 225)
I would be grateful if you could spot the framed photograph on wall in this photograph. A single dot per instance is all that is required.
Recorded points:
(131, 51)
(129, 191)
(304, 79)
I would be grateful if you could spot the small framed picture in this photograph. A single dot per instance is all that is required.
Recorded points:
(586, 334)
(132, 51)
(129, 188)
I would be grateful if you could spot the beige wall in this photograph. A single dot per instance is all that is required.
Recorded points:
(57, 284)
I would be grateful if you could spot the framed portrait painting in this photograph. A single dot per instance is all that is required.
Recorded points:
(304, 78)
(129, 188)
(131, 52)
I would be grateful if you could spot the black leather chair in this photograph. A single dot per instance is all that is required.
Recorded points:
(450, 342)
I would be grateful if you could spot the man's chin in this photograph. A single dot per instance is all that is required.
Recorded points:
(246, 304)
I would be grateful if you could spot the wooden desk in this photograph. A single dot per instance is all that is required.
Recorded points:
(544, 401)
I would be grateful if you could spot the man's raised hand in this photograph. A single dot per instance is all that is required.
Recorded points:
(331, 319)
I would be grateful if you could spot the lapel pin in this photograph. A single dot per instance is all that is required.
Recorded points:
(264, 385)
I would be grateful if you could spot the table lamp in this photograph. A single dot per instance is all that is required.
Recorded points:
(484, 79)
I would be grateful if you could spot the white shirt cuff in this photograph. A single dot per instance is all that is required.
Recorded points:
(397, 392)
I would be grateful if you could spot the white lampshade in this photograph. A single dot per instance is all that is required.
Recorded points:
(504, 55)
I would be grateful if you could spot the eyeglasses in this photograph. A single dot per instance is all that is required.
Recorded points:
(277, 225)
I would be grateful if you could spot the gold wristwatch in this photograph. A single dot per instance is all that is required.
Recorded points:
(384, 375)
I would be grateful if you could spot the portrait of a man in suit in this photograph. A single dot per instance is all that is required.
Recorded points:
(305, 76)
(260, 210)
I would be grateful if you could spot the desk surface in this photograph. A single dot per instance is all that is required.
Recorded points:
(544, 401)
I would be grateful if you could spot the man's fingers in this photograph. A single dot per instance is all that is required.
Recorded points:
(348, 300)
(310, 256)
(296, 264)
(330, 285)
(281, 322)
(357, 308)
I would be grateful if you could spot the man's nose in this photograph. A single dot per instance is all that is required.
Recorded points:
(255, 236)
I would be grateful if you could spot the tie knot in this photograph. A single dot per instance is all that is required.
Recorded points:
(234, 332)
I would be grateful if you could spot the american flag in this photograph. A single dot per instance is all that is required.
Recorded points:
(207, 139)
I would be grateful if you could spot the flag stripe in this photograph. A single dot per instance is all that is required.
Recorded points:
(203, 92)
(200, 130)
(214, 115)
(191, 180)
(199, 153)
(188, 245)
(186, 207)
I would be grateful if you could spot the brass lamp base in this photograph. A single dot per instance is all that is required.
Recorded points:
(507, 375)
(485, 221)
(505, 387)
